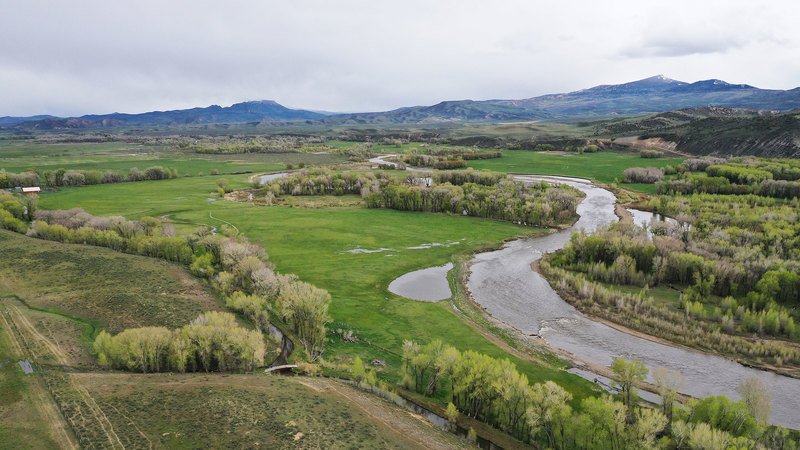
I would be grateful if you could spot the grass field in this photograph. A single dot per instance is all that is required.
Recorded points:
(18, 156)
(21, 423)
(604, 167)
(241, 411)
(314, 244)
(107, 410)
(105, 288)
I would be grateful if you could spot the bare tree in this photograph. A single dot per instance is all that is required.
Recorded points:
(668, 382)
(757, 398)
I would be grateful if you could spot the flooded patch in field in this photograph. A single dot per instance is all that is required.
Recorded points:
(646, 219)
(433, 244)
(428, 285)
(360, 251)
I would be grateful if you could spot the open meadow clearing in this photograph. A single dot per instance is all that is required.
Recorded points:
(20, 156)
(604, 167)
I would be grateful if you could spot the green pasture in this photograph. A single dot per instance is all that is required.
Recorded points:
(314, 244)
(604, 167)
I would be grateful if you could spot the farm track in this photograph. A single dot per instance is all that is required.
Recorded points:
(87, 413)
(398, 423)
(43, 401)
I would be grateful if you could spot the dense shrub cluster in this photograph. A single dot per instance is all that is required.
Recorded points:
(435, 162)
(735, 259)
(467, 192)
(64, 177)
(647, 175)
(700, 164)
(779, 178)
(535, 205)
(460, 152)
(693, 183)
(326, 182)
(460, 177)
(446, 158)
(146, 237)
(252, 144)
(495, 392)
(214, 342)
(651, 154)
(12, 180)
(640, 311)
(14, 212)
(738, 174)
(241, 273)
(623, 255)
(470, 156)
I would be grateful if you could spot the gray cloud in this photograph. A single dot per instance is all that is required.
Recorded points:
(676, 46)
(72, 58)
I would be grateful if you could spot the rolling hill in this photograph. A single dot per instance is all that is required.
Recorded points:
(719, 131)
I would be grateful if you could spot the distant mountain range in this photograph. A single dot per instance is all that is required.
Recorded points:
(255, 111)
(650, 95)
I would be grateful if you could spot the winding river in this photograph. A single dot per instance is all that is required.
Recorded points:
(502, 282)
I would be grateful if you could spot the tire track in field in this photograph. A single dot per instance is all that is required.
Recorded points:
(42, 401)
(131, 422)
(365, 403)
(62, 358)
(11, 335)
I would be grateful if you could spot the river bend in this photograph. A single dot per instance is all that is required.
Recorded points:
(503, 283)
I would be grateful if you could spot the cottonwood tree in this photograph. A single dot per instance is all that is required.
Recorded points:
(757, 398)
(548, 410)
(647, 424)
(305, 307)
(212, 342)
(668, 382)
(515, 395)
(628, 374)
(601, 423)
(254, 307)
(451, 413)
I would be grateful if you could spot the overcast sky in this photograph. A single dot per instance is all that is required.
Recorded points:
(87, 56)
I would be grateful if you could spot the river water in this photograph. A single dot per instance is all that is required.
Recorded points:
(428, 285)
(264, 179)
(502, 282)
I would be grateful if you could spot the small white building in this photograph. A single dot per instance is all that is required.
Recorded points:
(31, 190)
